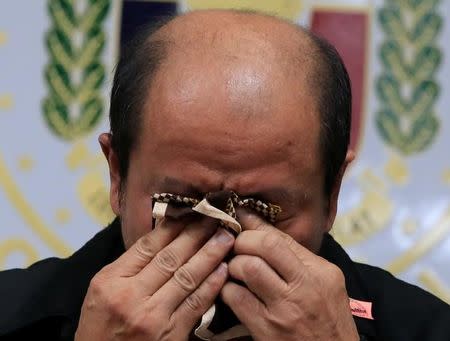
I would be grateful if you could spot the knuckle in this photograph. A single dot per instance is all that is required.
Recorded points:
(272, 241)
(107, 270)
(146, 247)
(288, 239)
(185, 280)
(100, 288)
(194, 303)
(280, 323)
(115, 303)
(137, 324)
(96, 285)
(336, 276)
(165, 332)
(145, 323)
(167, 261)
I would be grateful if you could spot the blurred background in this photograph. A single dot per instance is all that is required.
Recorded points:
(56, 64)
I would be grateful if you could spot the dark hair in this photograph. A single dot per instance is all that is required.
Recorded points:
(335, 106)
(142, 57)
(139, 61)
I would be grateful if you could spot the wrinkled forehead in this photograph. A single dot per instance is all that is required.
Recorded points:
(225, 67)
(231, 117)
(237, 98)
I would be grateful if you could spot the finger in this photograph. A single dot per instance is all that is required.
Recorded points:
(189, 276)
(248, 309)
(142, 252)
(272, 248)
(167, 260)
(259, 277)
(251, 221)
(197, 303)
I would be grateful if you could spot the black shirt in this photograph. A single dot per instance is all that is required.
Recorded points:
(43, 302)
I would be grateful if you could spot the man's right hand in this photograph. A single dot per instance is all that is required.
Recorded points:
(160, 287)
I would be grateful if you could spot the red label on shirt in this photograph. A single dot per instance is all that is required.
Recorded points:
(361, 309)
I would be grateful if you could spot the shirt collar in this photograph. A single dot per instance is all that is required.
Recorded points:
(356, 289)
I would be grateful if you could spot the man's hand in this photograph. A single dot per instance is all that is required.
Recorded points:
(160, 287)
(291, 294)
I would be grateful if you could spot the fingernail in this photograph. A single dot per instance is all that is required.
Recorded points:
(223, 236)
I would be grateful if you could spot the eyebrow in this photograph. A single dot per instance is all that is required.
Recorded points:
(273, 194)
(276, 195)
(180, 187)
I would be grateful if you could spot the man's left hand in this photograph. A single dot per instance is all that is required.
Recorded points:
(291, 293)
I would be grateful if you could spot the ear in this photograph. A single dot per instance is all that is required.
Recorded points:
(333, 199)
(114, 174)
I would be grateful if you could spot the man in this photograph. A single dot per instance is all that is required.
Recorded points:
(213, 101)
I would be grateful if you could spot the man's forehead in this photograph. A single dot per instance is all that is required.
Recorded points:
(202, 37)
(206, 76)
(230, 106)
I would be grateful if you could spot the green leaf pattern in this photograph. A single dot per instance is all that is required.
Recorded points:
(406, 88)
(75, 74)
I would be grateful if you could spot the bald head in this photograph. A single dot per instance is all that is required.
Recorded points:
(251, 63)
(252, 54)
(233, 34)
